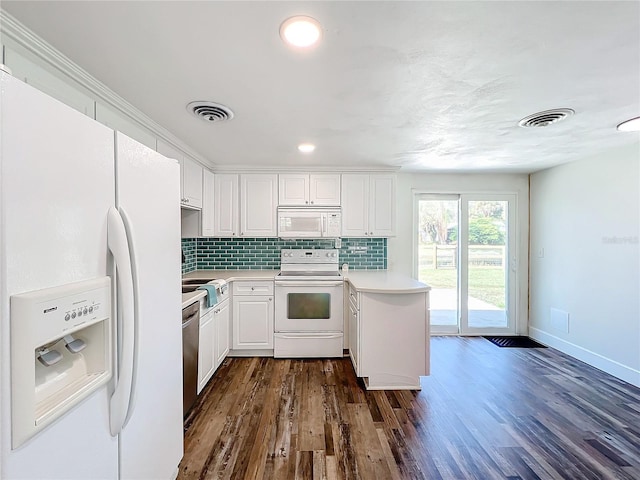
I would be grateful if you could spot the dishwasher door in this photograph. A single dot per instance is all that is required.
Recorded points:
(190, 340)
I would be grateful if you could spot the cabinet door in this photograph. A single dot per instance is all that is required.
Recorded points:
(252, 322)
(355, 200)
(258, 205)
(324, 189)
(208, 203)
(353, 337)
(382, 206)
(206, 345)
(192, 183)
(225, 199)
(293, 189)
(222, 319)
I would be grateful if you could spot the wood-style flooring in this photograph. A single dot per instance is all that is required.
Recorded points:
(484, 413)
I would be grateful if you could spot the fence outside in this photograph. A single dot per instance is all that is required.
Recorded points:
(446, 256)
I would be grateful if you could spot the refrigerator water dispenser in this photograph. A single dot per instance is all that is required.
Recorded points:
(60, 351)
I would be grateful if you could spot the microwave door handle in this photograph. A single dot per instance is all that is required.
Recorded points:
(324, 224)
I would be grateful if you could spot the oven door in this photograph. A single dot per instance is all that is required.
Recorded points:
(308, 306)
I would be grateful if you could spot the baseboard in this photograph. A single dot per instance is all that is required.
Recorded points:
(596, 360)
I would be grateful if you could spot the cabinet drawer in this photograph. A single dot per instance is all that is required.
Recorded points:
(253, 288)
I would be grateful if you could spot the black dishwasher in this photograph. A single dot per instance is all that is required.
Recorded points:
(190, 339)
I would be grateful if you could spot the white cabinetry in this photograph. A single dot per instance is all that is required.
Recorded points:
(368, 205)
(222, 320)
(208, 203)
(258, 205)
(389, 338)
(252, 315)
(245, 205)
(318, 189)
(190, 176)
(225, 199)
(206, 348)
(191, 183)
(213, 344)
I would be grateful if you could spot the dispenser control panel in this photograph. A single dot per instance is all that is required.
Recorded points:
(61, 352)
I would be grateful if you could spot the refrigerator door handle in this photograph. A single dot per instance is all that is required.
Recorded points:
(136, 312)
(119, 247)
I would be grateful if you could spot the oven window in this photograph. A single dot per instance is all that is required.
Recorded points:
(309, 305)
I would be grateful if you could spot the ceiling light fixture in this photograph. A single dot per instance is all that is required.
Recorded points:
(300, 31)
(631, 125)
(306, 147)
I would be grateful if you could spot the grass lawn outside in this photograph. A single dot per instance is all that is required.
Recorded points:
(485, 283)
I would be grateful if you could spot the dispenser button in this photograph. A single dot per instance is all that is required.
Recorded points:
(90, 309)
(84, 311)
(73, 314)
(79, 313)
(67, 317)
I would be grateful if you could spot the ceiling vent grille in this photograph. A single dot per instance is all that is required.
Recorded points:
(546, 118)
(210, 112)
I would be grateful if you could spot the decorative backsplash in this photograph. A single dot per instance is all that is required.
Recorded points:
(209, 253)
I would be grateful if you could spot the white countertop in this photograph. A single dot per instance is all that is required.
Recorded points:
(228, 275)
(231, 275)
(192, 297)
(384, 281)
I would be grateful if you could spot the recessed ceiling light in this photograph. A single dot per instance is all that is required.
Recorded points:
(300, 31)
(632, 125)
(306, 147)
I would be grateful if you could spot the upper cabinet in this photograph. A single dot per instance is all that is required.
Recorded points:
(258, 205)
(190, 176)
(208, 203)
(225, 200)
(368, 205)
(191, 183)
(317, 189)
(245, 205)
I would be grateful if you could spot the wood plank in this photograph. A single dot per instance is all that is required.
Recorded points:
(485, 412)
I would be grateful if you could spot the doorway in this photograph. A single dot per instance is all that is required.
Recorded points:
(465, 252)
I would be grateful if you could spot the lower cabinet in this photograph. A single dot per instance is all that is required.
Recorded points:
(253, 315)
(214, 341)
(389, 338)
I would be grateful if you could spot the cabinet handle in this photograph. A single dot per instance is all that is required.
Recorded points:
(306, 201)
(311, 202)
(252, 289)
(270, 299)
(371, 233)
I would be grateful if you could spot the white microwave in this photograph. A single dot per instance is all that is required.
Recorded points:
(309, 222)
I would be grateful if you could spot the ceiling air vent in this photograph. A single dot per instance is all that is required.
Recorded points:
(543, 119)
(210, 112)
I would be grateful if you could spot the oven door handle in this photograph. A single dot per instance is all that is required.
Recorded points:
(310, 283)
(309, 337)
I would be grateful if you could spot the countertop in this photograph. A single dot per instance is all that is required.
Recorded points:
(228, 275)
(385, 281)
(231, 275)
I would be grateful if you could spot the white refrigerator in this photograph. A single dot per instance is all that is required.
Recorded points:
(60, 174)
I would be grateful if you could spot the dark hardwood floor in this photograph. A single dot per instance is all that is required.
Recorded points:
(484, 413)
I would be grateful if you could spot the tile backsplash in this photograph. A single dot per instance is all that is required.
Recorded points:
(209, 253)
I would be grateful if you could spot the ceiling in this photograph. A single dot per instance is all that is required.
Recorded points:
(427, 86)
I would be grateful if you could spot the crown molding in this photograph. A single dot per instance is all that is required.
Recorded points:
(12, 29)
(303, 169)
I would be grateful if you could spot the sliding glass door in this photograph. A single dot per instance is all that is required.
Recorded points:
(465, 252)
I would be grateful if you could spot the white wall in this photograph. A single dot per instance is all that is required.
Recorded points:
(585, 215)
(400, 248)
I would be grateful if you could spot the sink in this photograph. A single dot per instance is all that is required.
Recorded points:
(189, 288)
(194, 281)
